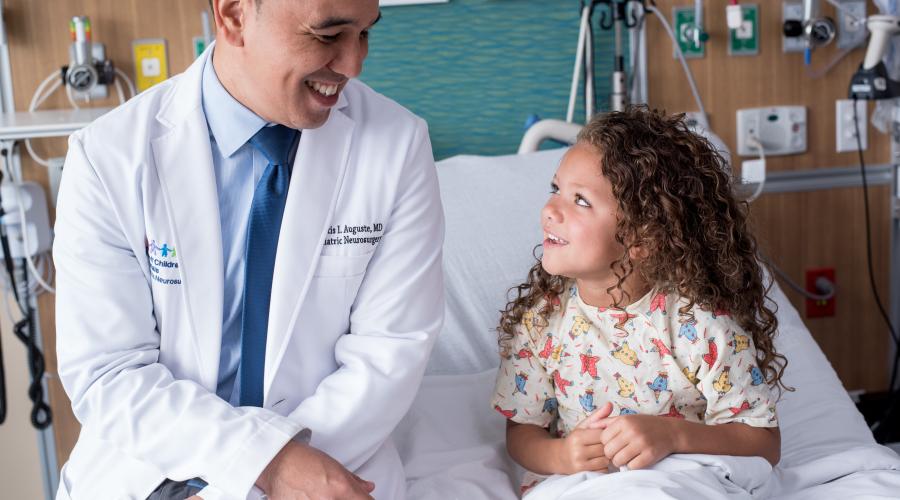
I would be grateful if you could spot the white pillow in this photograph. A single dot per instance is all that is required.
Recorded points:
(492, 207)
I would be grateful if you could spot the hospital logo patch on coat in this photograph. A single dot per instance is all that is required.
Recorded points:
(163, 265)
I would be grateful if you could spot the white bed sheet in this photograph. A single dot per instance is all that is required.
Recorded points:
(452, 443)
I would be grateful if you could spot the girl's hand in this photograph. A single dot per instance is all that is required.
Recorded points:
(582, 449)
(637, 441)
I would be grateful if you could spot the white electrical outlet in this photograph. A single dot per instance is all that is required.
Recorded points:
(845, 132)
(753, 171)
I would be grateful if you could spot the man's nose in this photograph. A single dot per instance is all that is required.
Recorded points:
(350, 57)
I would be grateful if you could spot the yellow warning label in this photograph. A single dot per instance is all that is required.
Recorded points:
(150, 62)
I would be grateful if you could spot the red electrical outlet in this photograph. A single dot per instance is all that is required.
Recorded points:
(819, 308)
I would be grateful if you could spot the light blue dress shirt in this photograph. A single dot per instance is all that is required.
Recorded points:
(238, 167)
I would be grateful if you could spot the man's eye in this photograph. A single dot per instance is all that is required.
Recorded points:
(579, 200)
(554, 189)
(328, 38)
(364, 34)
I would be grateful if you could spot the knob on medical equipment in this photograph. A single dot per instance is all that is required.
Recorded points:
(817, 30)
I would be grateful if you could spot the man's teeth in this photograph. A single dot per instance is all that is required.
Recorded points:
(325, 90)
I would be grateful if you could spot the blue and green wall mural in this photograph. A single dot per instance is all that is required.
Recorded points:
(477, 69)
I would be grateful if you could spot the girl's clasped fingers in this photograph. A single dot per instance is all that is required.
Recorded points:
(592, 420)
(625, 456)
(613, 447)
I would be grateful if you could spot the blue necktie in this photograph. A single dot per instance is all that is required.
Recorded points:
(275, 143)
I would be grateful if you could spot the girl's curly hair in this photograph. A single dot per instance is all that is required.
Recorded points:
(675, 202)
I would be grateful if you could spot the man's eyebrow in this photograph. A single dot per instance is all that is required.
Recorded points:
(332, 22)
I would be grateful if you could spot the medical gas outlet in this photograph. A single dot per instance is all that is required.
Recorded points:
(89, 71)
(780, 130)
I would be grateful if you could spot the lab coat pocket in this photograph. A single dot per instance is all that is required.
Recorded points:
(342, 266)
(337, 280)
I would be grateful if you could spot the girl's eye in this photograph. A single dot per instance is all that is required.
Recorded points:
(554, 189)
(579, 200)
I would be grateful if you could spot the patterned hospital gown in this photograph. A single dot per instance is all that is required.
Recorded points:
(648, 359)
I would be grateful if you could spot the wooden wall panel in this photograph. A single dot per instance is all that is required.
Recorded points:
(798, 230)
(38, 35)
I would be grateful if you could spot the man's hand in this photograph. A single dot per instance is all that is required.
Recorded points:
(582, 450)
(637, 441)
(299, 471)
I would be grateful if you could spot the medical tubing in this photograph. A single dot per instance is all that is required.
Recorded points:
(2, 387)
(36, 100)
(34, 156)
(687, 71)
(847, 12)
(589, 99)
(635, 53)
(579, 59)
(4, 244)
(37, 97)
(819, 73)
(41, 416)
(72, 98)
(125, 77)
(793, 284)
(24, 330)
(887, 320)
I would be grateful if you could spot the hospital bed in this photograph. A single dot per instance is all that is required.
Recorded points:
(452, 442)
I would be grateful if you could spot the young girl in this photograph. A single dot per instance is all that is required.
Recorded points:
(644, 330)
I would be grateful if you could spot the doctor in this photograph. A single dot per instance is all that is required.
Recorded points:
(250, 278)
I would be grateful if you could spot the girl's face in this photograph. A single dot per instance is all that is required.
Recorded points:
(579, 221)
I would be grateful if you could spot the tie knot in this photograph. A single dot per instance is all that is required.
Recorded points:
(275, 143)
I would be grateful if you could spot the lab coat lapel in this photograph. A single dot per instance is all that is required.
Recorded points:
(185, 166)
(318, 173)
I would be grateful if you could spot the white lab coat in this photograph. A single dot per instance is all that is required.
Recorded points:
(351, 322)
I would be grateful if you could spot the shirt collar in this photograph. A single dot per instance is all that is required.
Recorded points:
(230, 123)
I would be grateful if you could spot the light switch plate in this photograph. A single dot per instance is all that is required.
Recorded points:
(845, 132)
(753, 171)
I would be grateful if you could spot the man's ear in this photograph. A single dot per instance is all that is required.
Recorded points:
(230, 16)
